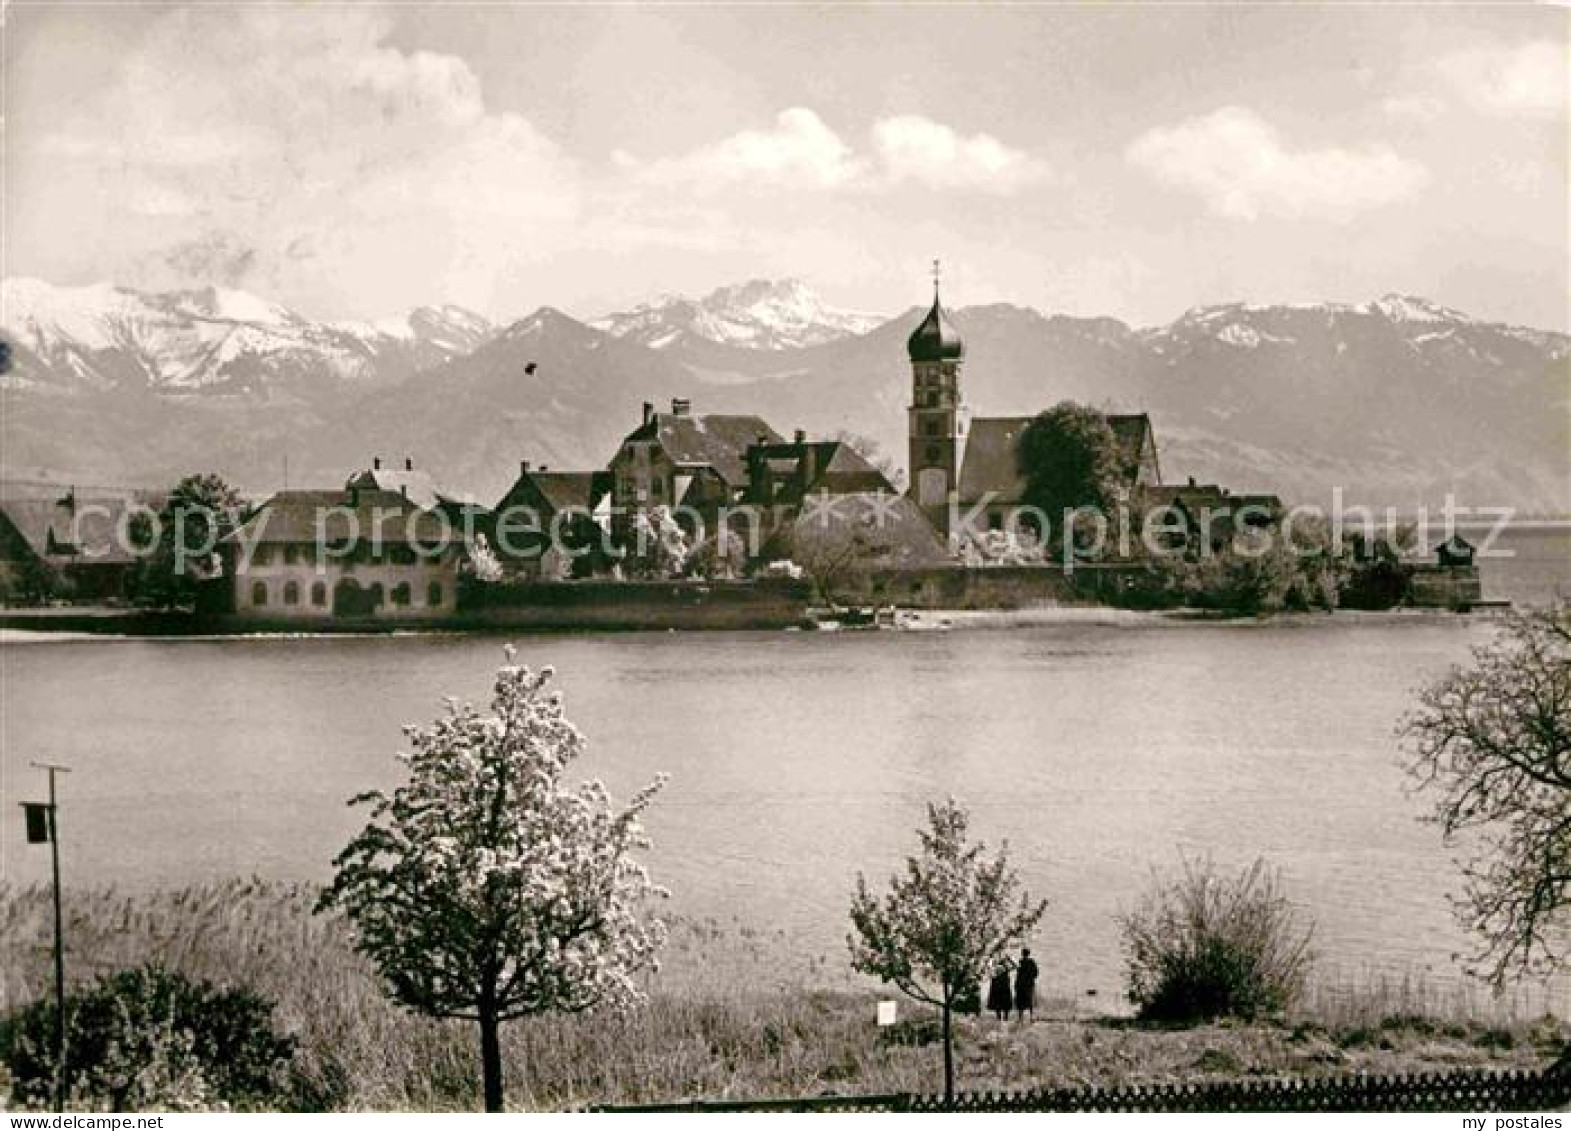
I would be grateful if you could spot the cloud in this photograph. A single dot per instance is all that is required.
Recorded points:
(1531, 78)
(1413, 107)
(799, 152)
(1238, 163)
(802, 152)
(346, 168)
(919, 149)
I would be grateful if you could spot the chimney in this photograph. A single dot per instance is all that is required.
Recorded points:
(523, 467)
(800, 436)
(680, 406)
(409, 463)
(1191, 480)
(649, 411)
(403, 489)
(376, 463)
(544, 468)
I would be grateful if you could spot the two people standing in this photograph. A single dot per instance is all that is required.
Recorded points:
(1002, 996)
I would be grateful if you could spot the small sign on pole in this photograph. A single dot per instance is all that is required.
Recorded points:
(37, 816)
(887, 1012)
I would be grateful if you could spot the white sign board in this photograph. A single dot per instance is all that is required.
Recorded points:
(886, 1014)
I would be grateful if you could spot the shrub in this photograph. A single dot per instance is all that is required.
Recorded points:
(149, 1038)
(1208, 946)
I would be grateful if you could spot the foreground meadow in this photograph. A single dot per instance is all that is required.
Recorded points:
(733, 1013)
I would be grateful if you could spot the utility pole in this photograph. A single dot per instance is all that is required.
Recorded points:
(43, 822)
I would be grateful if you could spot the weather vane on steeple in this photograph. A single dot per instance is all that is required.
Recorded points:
(936, 273)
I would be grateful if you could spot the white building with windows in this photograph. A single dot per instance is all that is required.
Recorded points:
(353, 555)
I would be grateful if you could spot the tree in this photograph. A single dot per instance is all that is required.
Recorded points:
(873, 452)
(660, 545)
(200, 512)
(1209, 946)
(484, 889)
(1493, 741)
(944, 924)
(1070, 459)
(833, 562)
(482, 560)
(151, 1037)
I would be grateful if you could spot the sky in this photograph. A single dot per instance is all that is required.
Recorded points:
(357, 160)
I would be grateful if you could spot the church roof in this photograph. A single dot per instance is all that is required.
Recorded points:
(991, 462)
(936, 339)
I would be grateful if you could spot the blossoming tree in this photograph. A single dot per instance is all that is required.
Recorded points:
(946, 923)
(484, 888)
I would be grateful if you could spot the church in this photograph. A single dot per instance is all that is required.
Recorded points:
(959, 464)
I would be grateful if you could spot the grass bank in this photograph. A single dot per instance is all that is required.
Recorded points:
(734, 1012)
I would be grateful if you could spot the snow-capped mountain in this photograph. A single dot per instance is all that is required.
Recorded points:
(211, 341)
(760, 314)
(1397, 401)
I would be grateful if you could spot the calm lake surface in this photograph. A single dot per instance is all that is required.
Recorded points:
(1099, 750)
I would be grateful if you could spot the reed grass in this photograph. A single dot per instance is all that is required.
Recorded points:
(734, 1012)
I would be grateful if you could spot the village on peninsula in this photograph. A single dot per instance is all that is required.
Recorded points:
(702, 520)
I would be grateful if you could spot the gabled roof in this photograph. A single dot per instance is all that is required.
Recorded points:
(1135, 439)
(572, 490)
(300, 517)
(73, 528)
(804, 468)
(559, 490)
(712, 440)
(413, 482)
(991, 461)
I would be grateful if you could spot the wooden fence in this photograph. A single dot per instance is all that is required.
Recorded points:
(1460, 1091)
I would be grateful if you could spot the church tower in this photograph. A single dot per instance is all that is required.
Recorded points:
(938, 415)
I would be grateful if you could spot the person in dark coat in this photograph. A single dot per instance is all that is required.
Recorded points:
(1025, 985)
(998, 995)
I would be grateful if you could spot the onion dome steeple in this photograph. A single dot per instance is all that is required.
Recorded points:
(936, 339)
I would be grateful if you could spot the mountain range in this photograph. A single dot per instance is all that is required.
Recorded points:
(758, 314)
(1396, 401)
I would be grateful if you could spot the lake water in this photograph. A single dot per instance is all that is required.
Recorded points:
(1099, 750)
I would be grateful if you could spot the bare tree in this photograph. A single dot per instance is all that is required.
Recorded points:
(945, 923)
(873, 452)
(1493, 740)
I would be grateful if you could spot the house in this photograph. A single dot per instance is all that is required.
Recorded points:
(1455, 552)
(971, 463)
(356, 554)
(546, 513)
(1204, 517)
(784, 474)
(1451, 581)
(62, 543)
(677, 459)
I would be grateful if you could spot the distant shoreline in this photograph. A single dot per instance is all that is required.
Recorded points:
(63, 625)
